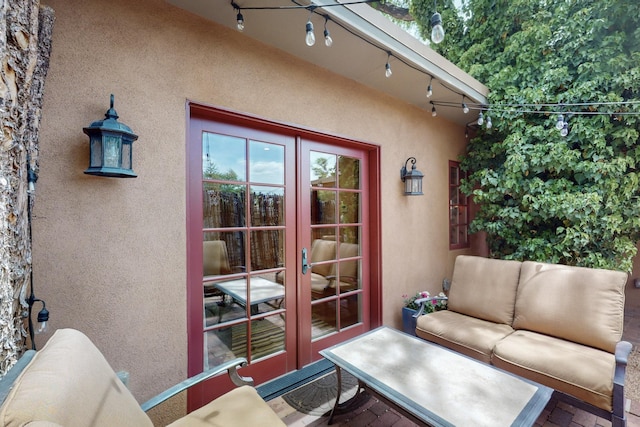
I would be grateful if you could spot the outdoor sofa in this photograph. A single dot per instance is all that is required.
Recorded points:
(558, 325)
(69, 383)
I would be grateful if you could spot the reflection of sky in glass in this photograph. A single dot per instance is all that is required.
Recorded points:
(226, 153)
(266, 162)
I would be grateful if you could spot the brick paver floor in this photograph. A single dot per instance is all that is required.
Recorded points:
(377, 414)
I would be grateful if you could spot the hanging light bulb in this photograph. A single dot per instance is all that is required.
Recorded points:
(328, 41)
(434, 113)
(480, 119)
(437, 32)
(489, 124)
(466, 132)
(240, 20)
(430, 89)
(560, 122)
(310, 38)
(387, 68)
(465, 108)
(565, 129)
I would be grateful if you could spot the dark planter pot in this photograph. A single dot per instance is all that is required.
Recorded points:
(408, 321)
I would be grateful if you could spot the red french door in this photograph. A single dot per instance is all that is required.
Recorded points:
(279, 246)
(333, 282)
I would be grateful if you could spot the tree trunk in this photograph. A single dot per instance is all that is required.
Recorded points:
(25, 45)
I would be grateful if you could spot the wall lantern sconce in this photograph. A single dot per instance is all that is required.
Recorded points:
(110, 145)
(412, 179)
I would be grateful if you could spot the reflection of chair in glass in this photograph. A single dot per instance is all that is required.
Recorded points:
(324, 276)
(215, 260)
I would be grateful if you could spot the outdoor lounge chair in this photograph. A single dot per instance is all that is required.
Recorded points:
(69, 383)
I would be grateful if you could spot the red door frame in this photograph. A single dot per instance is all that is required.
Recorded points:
(199, 396)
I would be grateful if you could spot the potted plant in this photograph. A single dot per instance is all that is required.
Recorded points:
(419, 304)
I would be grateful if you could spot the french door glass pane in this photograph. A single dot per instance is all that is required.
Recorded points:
(323, 169)
(266, 163)
(350, 310)
(349, 172)
(267, 206)
(223, 157)
(223, 205)
(267, 249)
(349, 207)
(323, 207)
(323, 319)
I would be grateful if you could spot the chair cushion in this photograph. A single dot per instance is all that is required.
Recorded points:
(73, 385)
(484, 288)
(215, 259)
(240, 407)
(323, 250)
(553, 299)
(575, 369)
(464, 334)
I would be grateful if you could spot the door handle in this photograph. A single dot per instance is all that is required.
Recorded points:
(305, 264)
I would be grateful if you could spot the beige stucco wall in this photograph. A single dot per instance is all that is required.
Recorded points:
(109, 254)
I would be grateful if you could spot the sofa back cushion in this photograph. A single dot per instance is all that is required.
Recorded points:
(484, 288)
(70, 383)
(578, 304)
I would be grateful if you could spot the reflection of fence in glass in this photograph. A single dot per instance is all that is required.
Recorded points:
(228, 210)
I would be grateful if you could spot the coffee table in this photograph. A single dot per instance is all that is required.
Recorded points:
(433, 385)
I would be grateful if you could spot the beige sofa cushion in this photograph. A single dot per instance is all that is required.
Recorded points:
(575, 369)
(467, 335)
(239, 407)
(74, 386)
(484, 288)
(554, 300)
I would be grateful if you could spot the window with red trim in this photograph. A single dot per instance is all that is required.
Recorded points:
(458, 209)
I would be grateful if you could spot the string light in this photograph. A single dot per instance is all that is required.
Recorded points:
(310, 38)
(328, 41)
(560, 122)
(434, 113)
(465, 108)
(480, 119)
(240, 20)
(387, 67)
(437, 31)
(565, 127)
(489, 124)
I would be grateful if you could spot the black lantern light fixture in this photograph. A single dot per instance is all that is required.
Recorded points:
(111, 145)
(412, 178)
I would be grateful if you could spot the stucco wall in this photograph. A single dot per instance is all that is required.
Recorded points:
(109, 254)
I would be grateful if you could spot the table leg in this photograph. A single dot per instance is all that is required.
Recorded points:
(337, 404)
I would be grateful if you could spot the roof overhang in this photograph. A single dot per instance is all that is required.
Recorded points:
(363, 38)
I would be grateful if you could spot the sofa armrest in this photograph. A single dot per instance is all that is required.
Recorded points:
(623, 349)
(6, 382)
(230, 366)
(421, 301)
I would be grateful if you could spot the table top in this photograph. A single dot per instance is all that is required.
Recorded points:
(437, 385)
(262, 290)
